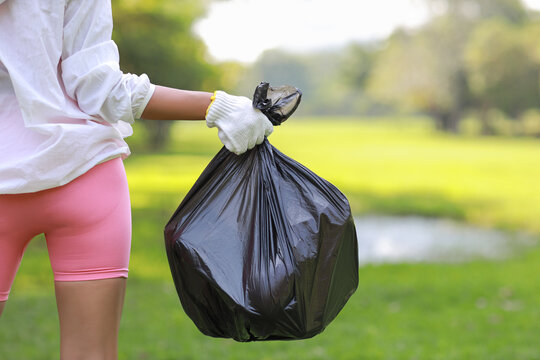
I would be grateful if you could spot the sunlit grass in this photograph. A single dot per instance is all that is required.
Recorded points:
(475, 310)
(382, 166)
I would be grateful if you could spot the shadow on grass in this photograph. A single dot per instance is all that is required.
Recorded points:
(412, 203)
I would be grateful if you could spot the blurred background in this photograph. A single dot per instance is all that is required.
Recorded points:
(424, 113)
(471, 66)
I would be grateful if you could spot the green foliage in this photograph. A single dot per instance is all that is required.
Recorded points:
(410, 72)
(479, 55)
(357, 64)
(423, 70)
(311, 73)
(529, 124)
(156, 38)
(468, 56)
(511, 10)
(502, 70)
(331, 81)
(473, 55)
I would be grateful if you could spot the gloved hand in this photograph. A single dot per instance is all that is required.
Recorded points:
(240, 125)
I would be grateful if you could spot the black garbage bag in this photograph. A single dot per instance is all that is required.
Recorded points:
(261, 248)
(276, 103)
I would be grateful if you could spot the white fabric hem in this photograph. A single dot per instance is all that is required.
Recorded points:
(146, 101)
(45, 184)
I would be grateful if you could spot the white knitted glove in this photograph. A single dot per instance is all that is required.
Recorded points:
(240, 125)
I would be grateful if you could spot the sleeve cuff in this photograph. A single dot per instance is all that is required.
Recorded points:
(145, 101)
(212, 99)
(222, 107)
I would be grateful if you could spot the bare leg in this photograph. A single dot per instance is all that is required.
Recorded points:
(89, 313)
(2, 305)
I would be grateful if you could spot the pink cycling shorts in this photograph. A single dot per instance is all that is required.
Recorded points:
(87, 226)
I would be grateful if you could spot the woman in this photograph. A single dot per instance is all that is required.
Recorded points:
(65, 108)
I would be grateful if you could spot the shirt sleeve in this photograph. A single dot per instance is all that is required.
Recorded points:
(90, 65)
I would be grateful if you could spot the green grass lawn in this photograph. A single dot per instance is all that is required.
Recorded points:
(474, 310)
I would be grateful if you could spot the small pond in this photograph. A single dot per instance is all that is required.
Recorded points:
(417, 239)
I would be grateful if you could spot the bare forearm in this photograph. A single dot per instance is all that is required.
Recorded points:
(173, 104)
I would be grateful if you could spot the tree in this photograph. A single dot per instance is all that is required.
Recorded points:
(155, 37)
(424, 70)
(502, 70)
(310, 73)
(476, 10)
(278, 68)
(356, 67)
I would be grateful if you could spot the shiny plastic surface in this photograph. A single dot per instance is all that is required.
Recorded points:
(261, 248)
(277, 103)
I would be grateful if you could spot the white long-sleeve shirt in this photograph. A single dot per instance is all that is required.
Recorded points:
(65, 105)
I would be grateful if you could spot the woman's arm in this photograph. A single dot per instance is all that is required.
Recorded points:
(240, 126)
(92, 77)
(173, 104)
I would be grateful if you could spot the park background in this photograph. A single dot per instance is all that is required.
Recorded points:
(439, 119)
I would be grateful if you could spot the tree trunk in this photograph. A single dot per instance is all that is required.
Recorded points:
(484, 120)
(158, 134)
(446, 121)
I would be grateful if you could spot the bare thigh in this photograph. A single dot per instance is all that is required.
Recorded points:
(89, 314)
(2, 305)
